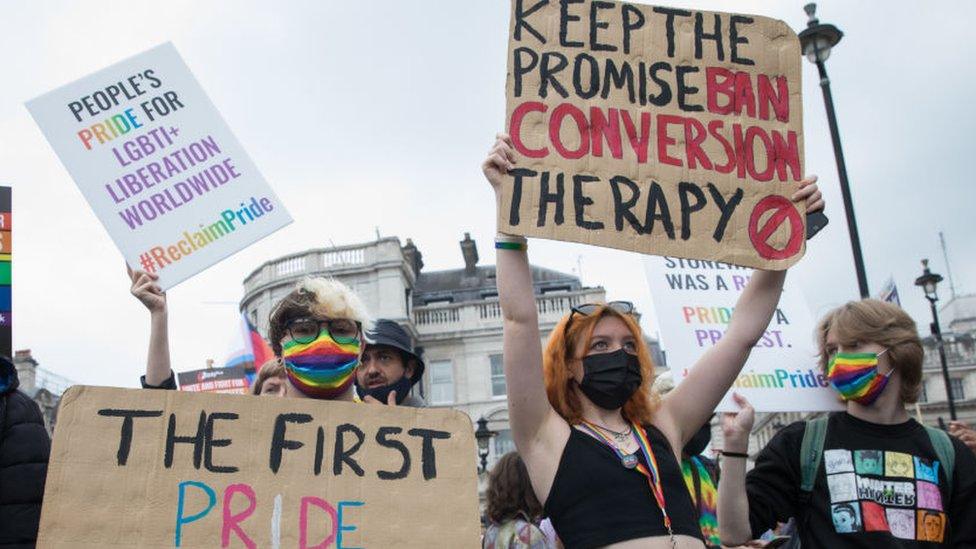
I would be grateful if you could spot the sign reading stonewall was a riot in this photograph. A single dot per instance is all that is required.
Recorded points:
(693, 302)
(657, 130)
(176, 469)
(158, 165)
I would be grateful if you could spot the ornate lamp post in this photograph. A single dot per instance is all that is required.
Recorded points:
(483, 435)
(929, 282)
(817, 40)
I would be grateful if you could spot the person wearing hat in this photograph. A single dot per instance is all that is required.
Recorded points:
(389, 367)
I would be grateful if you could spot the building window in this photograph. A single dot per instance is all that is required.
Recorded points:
(923, 395)
(503, 443)
(955, 385)
(497, 375)
(441, 382)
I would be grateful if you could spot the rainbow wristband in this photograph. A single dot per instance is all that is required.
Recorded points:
(516, 246)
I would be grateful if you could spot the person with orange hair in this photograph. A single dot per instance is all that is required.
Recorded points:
(601, 453)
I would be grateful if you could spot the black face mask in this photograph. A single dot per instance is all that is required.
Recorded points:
(609, 379)
(402, 388)
(697, 444)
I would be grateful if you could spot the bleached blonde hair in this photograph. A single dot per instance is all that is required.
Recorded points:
(315, 296)
(333, 299)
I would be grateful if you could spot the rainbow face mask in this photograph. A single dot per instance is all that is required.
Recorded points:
(856, 377)
(322, 368)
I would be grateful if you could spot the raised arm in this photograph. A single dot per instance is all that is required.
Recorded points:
(528, 404)
(691, 403)
(733, 503)
(145, 289)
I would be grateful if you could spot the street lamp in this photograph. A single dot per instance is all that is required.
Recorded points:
(929, 282)
(817, 40)
(483, 434)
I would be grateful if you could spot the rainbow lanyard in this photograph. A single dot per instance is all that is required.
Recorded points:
(652, 473)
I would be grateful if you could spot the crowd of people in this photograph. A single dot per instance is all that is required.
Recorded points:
(604, 456)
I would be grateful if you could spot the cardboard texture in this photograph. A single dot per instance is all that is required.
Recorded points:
(102, 492)
(661, 131)
(158, 165)
(693, 302)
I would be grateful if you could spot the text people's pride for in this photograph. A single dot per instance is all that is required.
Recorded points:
(180, 469)
(663, 131)
(158, 165)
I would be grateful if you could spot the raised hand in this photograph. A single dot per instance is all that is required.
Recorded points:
(501, 158)
(810, 193)
(737, 426)
(146, 290)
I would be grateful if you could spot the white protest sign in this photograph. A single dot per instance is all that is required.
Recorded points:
(693, 302)
(158, 165)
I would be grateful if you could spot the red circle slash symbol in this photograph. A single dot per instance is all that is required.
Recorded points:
(782, 210)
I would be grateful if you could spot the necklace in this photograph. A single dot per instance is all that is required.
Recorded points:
(621, 437)
(627, 460)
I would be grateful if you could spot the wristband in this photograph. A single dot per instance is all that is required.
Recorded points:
(735, 454)
(505, 237)
(515, 246)
(510, 242)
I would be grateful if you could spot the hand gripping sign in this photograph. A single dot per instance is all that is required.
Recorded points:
(657, 130)
(136, 468)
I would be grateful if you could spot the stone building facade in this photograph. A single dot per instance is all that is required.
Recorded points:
(43, 386)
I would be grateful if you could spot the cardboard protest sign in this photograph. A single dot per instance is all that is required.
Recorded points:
(137, 468)
(693, 302)
(231, 380)
(657, 130)
(158, 165)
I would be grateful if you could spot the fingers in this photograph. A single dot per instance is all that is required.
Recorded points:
(808, 180)
(741, 401)
(809, 193)
(146, 282)
(369, 399)
(391, 399)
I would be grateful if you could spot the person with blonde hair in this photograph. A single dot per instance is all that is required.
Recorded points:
(316, 333)
(870, 476)
(601, 453)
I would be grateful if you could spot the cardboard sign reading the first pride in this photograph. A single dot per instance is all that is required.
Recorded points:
(155, 469)
(158, 165)
(657, 130)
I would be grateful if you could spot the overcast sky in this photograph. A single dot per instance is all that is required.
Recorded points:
(377, 114)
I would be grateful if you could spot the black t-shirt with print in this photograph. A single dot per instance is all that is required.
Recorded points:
(878, 486)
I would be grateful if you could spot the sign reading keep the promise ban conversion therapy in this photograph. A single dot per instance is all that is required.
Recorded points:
(158, 165)
(175, 469)
(663, 131)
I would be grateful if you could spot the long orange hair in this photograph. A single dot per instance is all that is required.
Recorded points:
(561, 351)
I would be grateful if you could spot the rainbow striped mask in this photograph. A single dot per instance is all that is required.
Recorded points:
(322, 368)
(855, 376)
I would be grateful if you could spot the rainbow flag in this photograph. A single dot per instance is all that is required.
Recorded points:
(252, 352)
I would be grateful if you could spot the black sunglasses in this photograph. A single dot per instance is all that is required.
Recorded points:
(586, 309)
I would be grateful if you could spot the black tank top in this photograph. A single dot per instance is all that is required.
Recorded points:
(596, 501)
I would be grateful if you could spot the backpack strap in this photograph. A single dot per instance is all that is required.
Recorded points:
(944, 450)
(811, 453)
